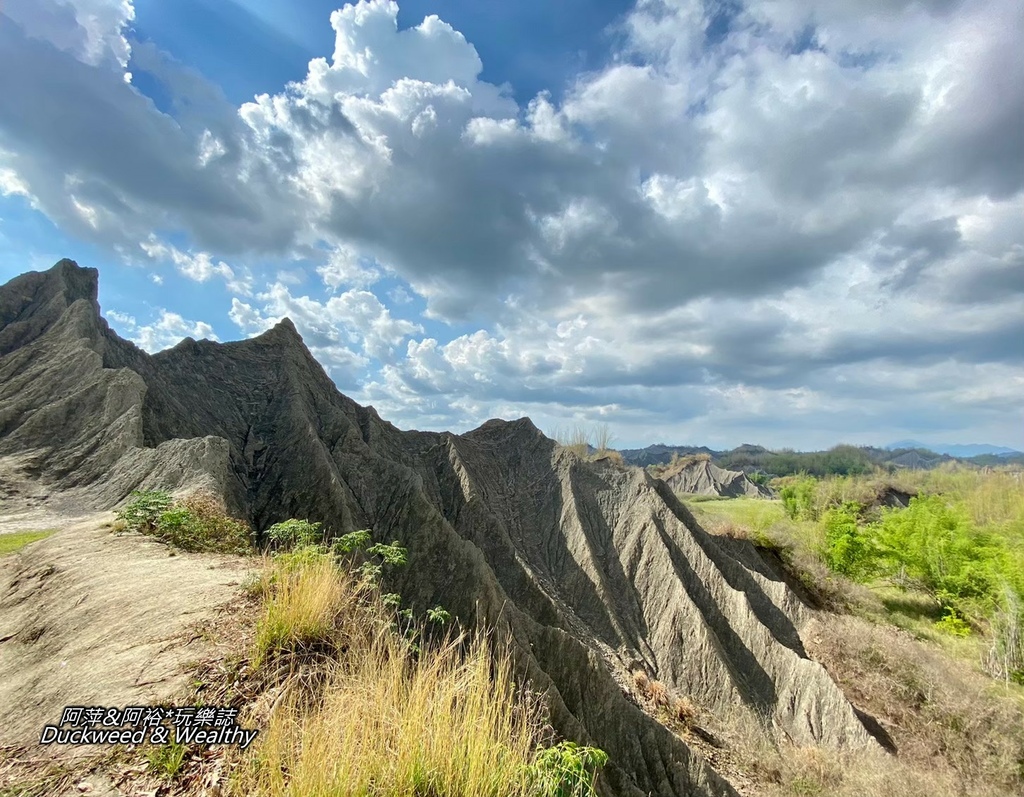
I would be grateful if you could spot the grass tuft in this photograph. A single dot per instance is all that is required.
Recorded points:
(304, 598)
(446, 722)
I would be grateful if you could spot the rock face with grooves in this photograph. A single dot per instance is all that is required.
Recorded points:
(700, 476)
(592, 570)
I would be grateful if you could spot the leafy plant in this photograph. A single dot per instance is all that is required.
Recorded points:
(353, 541)
(847, 547)
(393, 554)
(197, 522)
(934, 544)
(292, 533)
(438, 615)
(567, 770)
(953, 624)
(143, 511)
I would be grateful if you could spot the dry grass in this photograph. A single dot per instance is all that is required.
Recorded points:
(658, 694)
(378, 715)
(684, 711)
(992, 497)
(817, 772)
(956, 731)
(304, 600)
(677, 711)
(390, 723)
(593, 443)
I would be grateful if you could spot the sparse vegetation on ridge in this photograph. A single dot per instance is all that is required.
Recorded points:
(587, 442)
(197, 522)
(369, 706)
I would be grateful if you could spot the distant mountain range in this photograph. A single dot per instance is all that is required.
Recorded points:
(838, 460)
(955, 450)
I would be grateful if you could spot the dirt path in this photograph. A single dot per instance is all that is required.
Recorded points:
(92, 619)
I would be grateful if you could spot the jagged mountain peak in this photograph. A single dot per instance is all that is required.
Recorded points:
(591, 570)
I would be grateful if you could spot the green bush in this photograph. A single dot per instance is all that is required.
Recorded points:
(798, 499)
(567, 770)
(143, 511)
(195, 523)
(848, 549)
(290, 534)
(393, 554)
(185, 528)
(351, 542)
(953, 624)
(933, 544)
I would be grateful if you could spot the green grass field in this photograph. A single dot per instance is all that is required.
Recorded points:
(11, 543)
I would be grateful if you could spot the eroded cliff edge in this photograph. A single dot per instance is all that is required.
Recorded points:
(595, 571)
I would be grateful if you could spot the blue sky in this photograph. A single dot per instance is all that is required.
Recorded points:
(695, 221)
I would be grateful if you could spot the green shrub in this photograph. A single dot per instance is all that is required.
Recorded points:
(143, 511)
(393, 554)
(848, 549)
(567, 770)
(292, 533)
(351, 542)
(198, 522)
(798, 499)
(934, 544)
(953, 624)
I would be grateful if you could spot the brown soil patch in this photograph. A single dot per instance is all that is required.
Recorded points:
(90, 618)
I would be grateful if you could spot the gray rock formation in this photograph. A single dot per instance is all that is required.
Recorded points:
(590, 569)
(700, 476)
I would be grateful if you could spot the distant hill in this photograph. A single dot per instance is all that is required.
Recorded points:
(697, 475)
(760, 463)
(957, 450)
(661, 454)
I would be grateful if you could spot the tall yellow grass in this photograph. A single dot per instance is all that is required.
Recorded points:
(305, 599)
(392, 725)
(444, 721)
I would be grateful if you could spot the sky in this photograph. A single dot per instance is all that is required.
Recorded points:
(709, 222)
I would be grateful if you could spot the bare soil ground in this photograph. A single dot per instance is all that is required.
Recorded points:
(90, 618)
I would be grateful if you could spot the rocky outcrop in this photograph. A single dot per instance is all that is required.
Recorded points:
(590, 570)
(700, 476)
